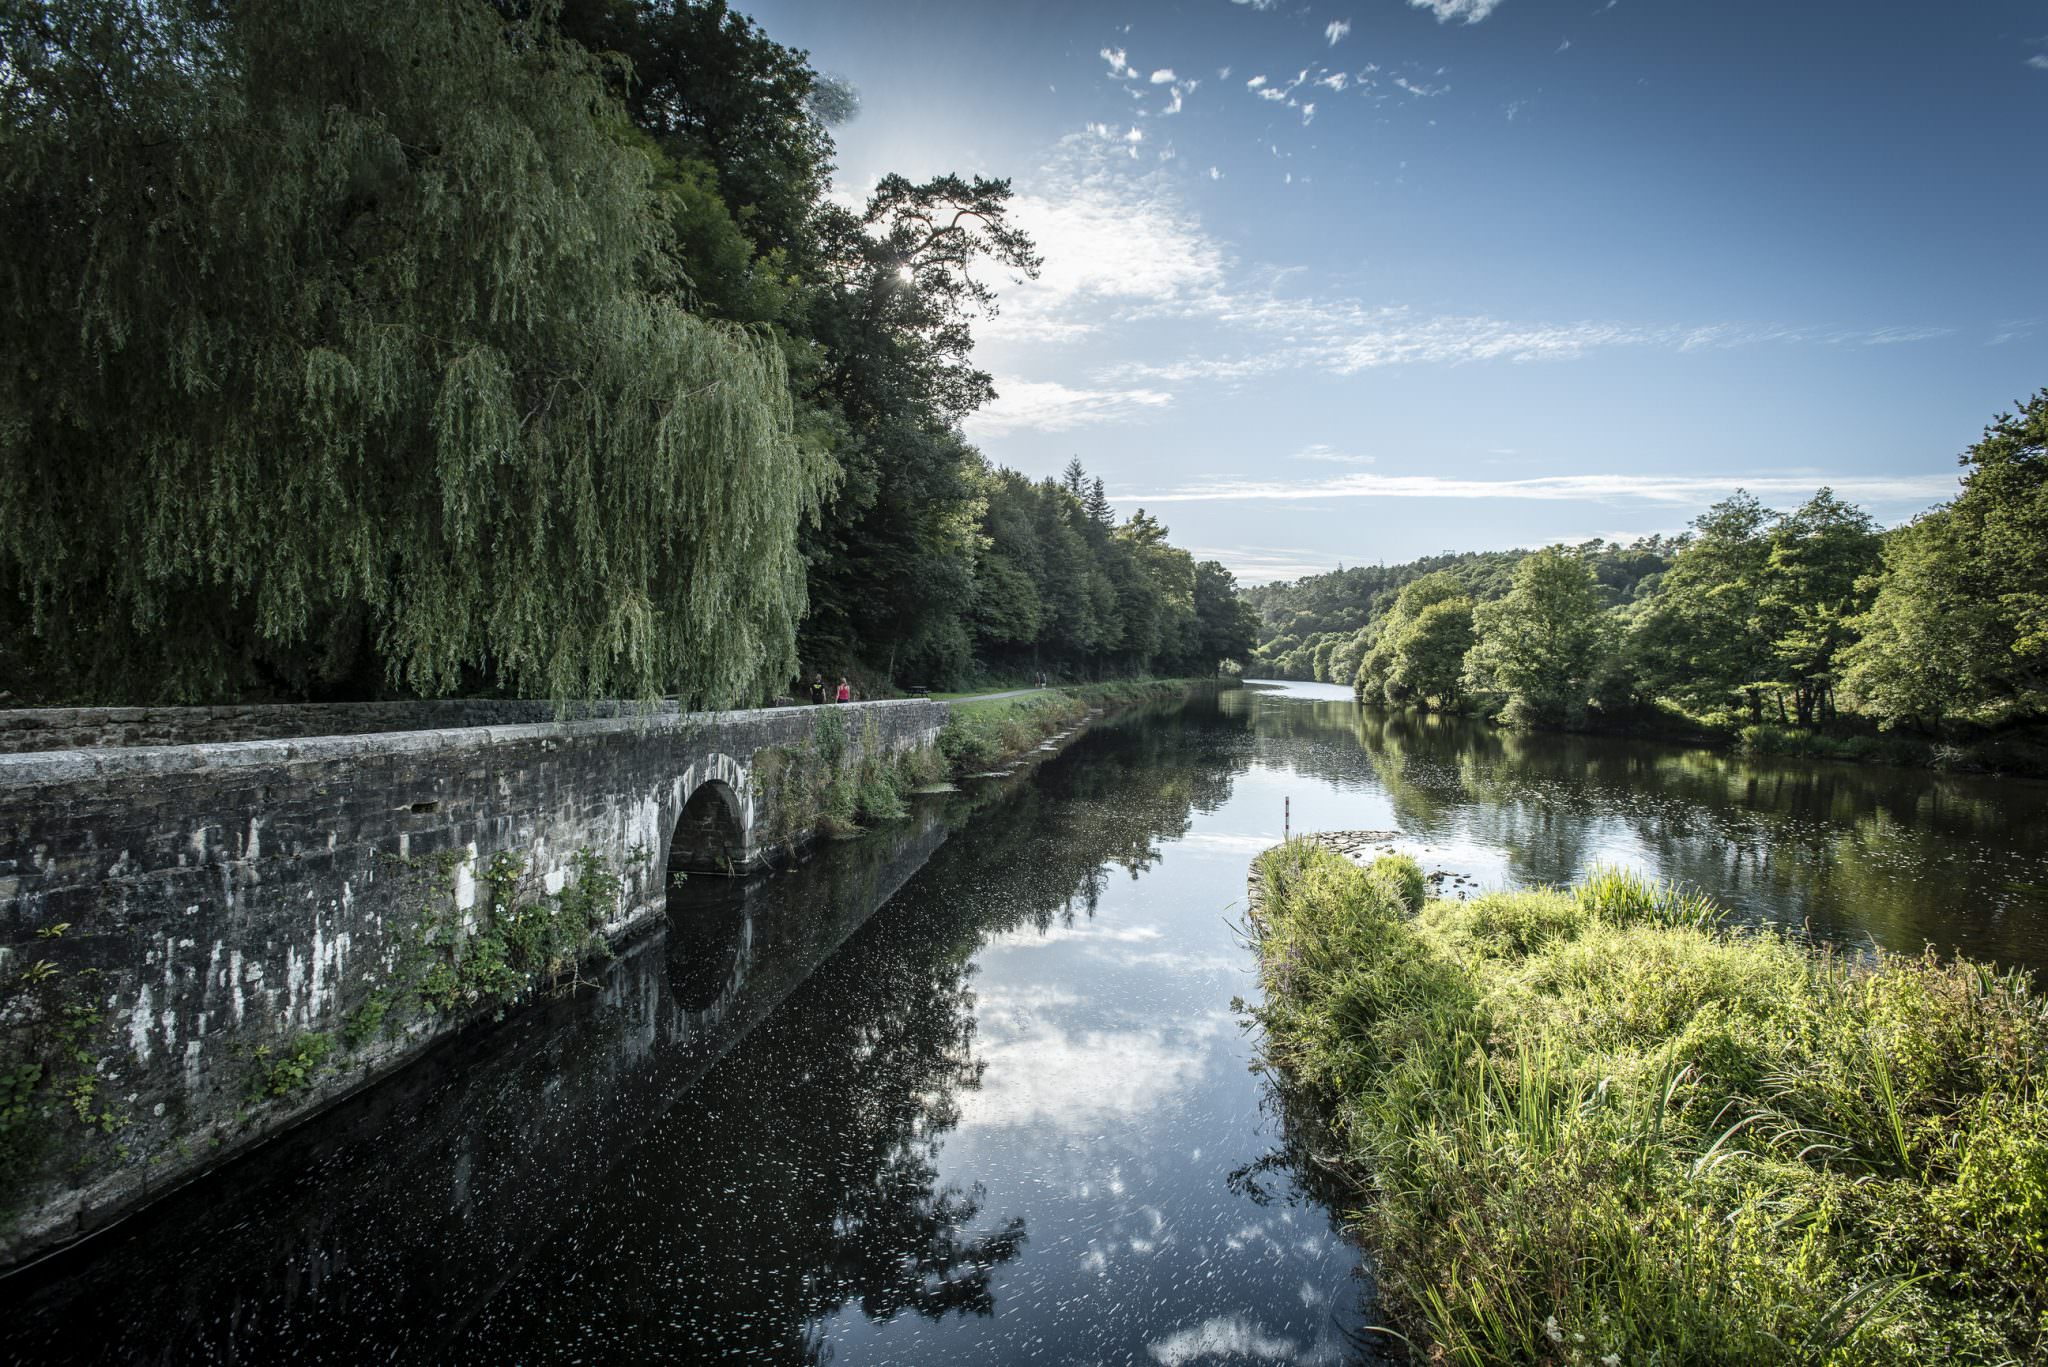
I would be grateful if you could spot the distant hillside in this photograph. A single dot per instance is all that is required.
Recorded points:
(1322, 610)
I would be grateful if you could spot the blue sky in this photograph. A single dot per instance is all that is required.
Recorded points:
(1359, 281)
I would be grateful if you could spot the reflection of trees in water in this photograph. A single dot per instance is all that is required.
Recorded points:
(802, 1177)
(798, 1178)
(1859, 852)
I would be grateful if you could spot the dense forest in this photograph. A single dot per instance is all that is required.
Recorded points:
(1815, 618)
(373, 348)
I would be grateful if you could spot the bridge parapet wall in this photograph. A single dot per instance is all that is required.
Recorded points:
(242, 896)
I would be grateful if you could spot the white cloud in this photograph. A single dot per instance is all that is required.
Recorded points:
(2039, 61)
(1336, 81)
(1255, 82)
(1254, 564)
(1123, 253)
(1256, 4)
(1471, 11)
(1049, 406)
(1319, 451)
(1162, 76)
(1336, 30)
(1675, 490)
(1308, 114)
(1113, 242)
(1118, 67)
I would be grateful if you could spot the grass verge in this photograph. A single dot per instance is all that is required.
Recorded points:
(980, 734)
(1587, 1126)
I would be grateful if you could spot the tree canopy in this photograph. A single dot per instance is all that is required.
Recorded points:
(359, 349)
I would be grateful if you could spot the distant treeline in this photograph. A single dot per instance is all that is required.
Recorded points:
(372, 348)
(1808, 618)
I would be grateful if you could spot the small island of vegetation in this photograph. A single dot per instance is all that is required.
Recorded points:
(1590, 1125)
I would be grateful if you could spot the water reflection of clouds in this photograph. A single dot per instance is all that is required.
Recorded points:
(1093, 931)
(1040, 1072)
(1222, 844)
(1234, 1338)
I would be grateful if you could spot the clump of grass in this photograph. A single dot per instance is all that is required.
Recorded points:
(1592, 1126)
(980, 734)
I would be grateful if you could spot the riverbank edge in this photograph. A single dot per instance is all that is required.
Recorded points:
(986, 736)
(2016, 752)
(1528, 1198)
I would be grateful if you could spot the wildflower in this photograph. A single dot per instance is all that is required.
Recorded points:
(1611, 1360)
(1550, 1327)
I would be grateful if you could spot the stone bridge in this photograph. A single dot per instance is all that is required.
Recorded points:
(245, 879)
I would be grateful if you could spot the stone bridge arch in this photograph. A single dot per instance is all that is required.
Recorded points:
(714, 829)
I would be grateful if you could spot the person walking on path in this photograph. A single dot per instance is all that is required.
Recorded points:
(817, 690)
(845, 691)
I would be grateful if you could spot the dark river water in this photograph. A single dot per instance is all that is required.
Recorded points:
(972, 1088)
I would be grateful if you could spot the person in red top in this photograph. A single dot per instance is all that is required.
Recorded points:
(845, 692)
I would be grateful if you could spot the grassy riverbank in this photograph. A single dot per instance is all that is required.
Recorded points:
(2019, 750)
(982, 734)
(1588, 1127)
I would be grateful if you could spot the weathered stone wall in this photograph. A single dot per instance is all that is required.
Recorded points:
(86, 728)
(239, 895)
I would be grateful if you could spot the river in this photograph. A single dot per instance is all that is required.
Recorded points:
(973, 1088)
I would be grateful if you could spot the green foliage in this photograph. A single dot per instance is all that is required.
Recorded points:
(1417, 652)
(1589, 1125)
(1811, 620)
(1348, 601)
(1062, 587)
(51, 1031)
(1544, 643)
(514, 941)
(1959, 621)
(979, 735)
(1402, 876)
(280, 1072)
(340, 353)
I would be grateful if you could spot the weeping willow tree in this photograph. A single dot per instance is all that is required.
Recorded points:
(339, 355)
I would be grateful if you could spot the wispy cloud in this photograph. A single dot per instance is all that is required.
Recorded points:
(1336, 29)
(1319, 451)
(1113, 243)
(1118, 67)
(1470, 11)
(1670, 490)
(2039, 61)
(1124, 254)
(1049, 406)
